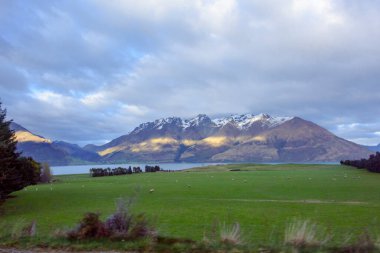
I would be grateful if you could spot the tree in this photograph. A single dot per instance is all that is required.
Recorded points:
(46, 176)
(372, 163)
(15, 172)
(10, 179)
(30, 170)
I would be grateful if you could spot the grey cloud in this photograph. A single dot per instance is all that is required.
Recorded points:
(11, 79)
(129, 62)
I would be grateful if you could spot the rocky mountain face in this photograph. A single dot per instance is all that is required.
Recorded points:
(237, 138)
(52, 152)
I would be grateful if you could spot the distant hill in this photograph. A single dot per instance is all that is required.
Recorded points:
(236, 138)
(52, 152)
(374, 148)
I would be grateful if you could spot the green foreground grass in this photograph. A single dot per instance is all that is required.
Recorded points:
(261, 198)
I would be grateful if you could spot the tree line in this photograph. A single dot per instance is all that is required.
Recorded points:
(16, 172)
(101, 172)
(372, 164)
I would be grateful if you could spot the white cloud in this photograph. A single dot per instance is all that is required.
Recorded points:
(50, 98)
(322, 10)
(97, 99)
(134, 109)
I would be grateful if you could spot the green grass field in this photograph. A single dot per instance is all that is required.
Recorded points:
(262, 198)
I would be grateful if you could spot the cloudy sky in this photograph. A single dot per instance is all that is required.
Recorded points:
(90, 71)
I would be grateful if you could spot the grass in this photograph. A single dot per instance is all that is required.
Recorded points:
(263, 199)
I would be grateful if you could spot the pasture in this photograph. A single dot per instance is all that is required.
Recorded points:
(261, 198)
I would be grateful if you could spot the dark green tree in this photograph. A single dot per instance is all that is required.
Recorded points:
(15, 172)
(30, 170)
(10, 179)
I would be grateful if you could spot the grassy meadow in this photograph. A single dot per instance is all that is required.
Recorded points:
(261, 198)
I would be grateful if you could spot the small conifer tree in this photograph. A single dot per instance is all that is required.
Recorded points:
(15, 172)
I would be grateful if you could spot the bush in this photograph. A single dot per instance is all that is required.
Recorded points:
(222, 234)
(302, 234)
(231, 235)
(363, 244)
(120, 225)
(18, 229)
(141, 228)
(90, 227)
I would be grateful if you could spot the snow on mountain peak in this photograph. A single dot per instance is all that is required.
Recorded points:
(194, 121)
(242, 121)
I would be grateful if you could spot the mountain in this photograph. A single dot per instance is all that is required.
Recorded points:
(236, 138)
(51, 152)
(374, 148)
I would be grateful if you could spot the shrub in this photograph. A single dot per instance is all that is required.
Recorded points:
(119, 225)
(30, 229)
(18, 229)
(90, 227)
(141, 227)
(231, 235)
(221, 234)
(363, 244)
(303, 234)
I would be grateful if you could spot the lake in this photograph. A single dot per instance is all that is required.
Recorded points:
(83, 169)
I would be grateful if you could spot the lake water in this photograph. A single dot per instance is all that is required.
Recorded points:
(83, 169)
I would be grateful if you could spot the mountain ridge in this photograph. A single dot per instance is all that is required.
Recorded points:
(52, 152)
(235, 138)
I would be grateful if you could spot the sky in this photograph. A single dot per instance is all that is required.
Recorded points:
(89, 71)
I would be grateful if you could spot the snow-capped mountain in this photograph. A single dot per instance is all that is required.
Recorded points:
(244, 121)
(234, 138)
(240, 121)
